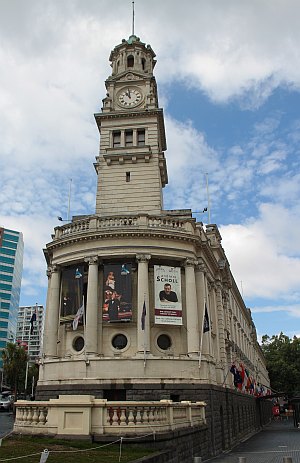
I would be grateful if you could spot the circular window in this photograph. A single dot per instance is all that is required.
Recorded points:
(119, 341)
(78, 344)
(164, 342)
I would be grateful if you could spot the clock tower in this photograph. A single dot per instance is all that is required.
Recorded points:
(131, 165)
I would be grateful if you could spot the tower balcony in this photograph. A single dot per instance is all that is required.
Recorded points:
(182, 228)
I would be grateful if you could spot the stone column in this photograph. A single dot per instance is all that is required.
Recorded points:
(52, 312)
(221, 324)
(202, 299)
(214, 316)
(92, 307)
(143, 336)
(192, 319)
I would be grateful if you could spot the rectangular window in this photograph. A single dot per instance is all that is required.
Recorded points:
(9, 244)
(6, 268)
(5, 287)
(7, 260)
(127, 176)
(141, 137)
(128, 137)
(9, 252)
(4, 315)
(117, 139)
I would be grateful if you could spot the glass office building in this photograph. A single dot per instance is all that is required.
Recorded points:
(11, 266)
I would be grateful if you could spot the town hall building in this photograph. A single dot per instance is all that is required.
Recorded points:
(141, 301)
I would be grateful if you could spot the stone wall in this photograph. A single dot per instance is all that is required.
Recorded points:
(230, 415)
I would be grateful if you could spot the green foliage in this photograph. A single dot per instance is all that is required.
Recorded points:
(14, 366)
(283, 362)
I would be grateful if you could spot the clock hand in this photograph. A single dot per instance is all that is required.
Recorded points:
(128, 94)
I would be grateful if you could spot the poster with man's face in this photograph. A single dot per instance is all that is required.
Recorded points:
(117, 299)
(167, 288)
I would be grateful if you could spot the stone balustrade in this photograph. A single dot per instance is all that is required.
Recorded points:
(85, 415)
(104, 224)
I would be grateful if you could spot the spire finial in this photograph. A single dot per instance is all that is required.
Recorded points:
(132, 18)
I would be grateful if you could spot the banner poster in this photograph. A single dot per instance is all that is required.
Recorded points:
(117, 299)
(167, 290)
(71, 292)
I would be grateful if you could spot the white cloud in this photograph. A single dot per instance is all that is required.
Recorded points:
(292, 310)
(257, 252)
(54, 60)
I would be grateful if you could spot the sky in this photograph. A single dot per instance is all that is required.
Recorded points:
(228, 75)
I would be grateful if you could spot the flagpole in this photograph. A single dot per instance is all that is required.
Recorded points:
(144, 333)
(201, 332)
(132, 18)
(69, 201)
(208, 198)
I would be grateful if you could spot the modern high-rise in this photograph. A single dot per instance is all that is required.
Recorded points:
(30, 330)
(11, 266)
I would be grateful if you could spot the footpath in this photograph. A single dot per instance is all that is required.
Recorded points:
(276, 442)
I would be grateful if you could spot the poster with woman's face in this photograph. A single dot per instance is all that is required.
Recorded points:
(117, 298)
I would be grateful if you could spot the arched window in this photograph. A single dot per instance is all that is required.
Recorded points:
(143, 63)
(130, 61)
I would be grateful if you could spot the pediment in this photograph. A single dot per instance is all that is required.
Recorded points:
(128, 77)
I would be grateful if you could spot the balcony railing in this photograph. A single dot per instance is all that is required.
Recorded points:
(129, 223)
(85, 415)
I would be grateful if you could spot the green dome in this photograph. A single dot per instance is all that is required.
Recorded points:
(133, 38)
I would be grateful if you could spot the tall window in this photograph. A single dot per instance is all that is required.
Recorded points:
(130, 61)
(128, 137)
(141, 137)
(117, 139)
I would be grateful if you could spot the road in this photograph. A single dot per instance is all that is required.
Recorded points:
(6, 423)
(277, 440)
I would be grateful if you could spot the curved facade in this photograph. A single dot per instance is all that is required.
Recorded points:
(141, 302)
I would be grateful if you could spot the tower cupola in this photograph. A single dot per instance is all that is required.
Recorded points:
(132, 55)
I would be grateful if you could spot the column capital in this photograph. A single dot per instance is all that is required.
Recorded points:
(52, 269)
(143, 257)
(211, 285)
(190, 262)
(201, 266)
(92, 260)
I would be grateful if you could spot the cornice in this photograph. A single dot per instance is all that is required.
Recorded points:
(98, 235)
(129, 113)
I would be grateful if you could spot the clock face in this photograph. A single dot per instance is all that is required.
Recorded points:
(129, 97)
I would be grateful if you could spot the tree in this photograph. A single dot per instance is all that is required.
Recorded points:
(15, 359)
(283, 362)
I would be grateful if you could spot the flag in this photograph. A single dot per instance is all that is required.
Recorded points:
(206, 321)
(143, 317)
(33, 319)
(236, 375)
(77, 317)
(78, 274)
